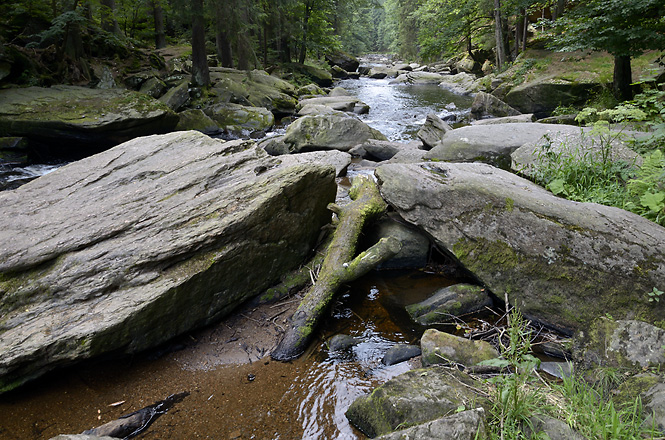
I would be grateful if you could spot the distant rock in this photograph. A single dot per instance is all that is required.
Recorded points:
(340, 102)
(418, 78)
(104, 254)
(342, 59)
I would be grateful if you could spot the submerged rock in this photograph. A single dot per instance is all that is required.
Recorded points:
(70, 116)
(414, 397)
(400, 353)
(444, 348)
(561, 262)
(447, 303)
(104, 254)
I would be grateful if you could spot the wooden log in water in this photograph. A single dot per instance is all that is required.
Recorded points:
(339, 265)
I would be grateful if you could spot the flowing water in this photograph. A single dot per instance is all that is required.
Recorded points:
(231, 398)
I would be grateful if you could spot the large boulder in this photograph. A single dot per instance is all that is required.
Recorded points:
(492, 143)
(327, 132)
(344, 60)
(236, 117)
(254, 88)
(485, 104)
(104, 254)
(70, 116)
(546, 93)
(561, 262)
(418, 78)
(339, 103)
(433, 130)
(414, 397)
(462, 83)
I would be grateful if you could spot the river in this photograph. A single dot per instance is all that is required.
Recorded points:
(235, 390)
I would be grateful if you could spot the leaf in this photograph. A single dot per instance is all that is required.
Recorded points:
(653, 201)
(496, 362)
(557, 186)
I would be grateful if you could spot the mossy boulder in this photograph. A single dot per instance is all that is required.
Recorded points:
(447, 303)
(103, 255)
(328, 132)
(342, 59)
(545, 93)
(236, 117)
(79, 117)
(196, 119)
(253, 88)
(413, 398)
(444, 348)
(560, 262)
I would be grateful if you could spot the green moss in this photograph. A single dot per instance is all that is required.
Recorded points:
(510, 204)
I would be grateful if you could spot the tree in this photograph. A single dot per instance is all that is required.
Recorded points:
(624, 28)
(200, 72)
(158, 16)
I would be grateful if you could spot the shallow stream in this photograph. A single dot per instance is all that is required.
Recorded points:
(235, 390)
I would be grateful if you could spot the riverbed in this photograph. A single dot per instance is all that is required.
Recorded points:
(235, 390)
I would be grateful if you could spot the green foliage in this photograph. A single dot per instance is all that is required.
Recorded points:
(647, 189)
(654, 295)
(620, 27)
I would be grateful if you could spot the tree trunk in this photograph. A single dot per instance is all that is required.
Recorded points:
(498, 35)
(158, 15)
(109, 23)
(305, 31)
(525, 30)
(224, 50)
(200, 72)
(623, 78)
(339, 265)
(558, 10)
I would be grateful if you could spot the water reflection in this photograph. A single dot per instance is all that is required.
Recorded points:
(398, 111)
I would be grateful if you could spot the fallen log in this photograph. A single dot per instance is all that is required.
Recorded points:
(339, 265)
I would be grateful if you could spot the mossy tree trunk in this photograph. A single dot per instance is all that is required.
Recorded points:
(339, 265)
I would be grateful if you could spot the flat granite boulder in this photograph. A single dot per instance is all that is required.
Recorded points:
(492, 144)
(69, 115)
(561, 262)
(128, 248)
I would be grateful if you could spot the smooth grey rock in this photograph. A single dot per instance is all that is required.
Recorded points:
(492, 144)
(433, 130)
(554, 429)
(195, 119)
(506, 120)
(485, 104)
(341, 103)
(447, 303)
(557, 369)
(444, 348)
(318, 110)
(177, 97)
(462, 83)
(574, 143)
(418, 78)
(338, 159)
(465, 425)
(414, 397)
(377, 150)
(415, 246)
(381, 72)
(408, 156)
(329, 132)
(403, 66)
(339, 91)
(561, 262)
(76, 116)
(620, 344)
(104, 254)
(400, 353)
(342, 342)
